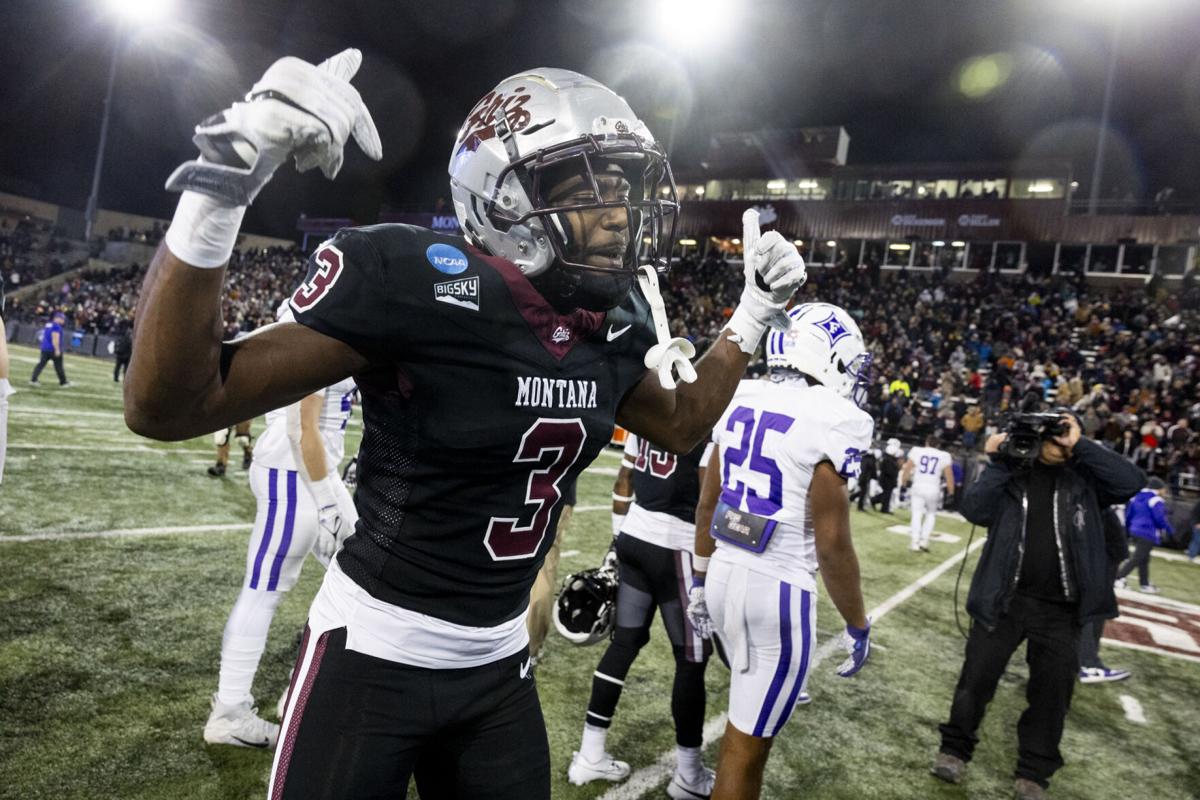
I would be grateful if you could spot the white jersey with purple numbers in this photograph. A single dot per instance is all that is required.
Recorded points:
(274, 450)
(771, 438)
(928, 465)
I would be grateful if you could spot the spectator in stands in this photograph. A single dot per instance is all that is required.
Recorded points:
(52, 349)
(1146, 519)
(972, 424)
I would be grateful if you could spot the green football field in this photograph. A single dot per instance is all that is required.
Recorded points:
(120, 559)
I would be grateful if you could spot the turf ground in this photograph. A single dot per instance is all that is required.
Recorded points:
(120, 560)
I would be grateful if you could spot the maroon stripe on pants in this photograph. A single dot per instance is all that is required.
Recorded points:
(295, 714)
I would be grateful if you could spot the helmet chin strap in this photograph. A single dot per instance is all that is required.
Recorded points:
(669, 356)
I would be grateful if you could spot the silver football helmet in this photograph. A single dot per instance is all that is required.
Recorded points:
(586, 609)
(824, 343)
(525, 138)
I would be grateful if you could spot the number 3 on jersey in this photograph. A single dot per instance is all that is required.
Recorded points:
(551, 446)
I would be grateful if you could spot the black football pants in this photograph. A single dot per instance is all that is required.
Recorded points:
(1053, 658)
(1140, 559)
(653, 576)
(360, 727)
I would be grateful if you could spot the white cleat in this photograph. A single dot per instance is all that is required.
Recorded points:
(681, 789)
(608, 768)
(240, 726)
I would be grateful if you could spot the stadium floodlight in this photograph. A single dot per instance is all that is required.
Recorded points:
(958, 244)
(139, 12)
(687, 242)
(129, 14)
(693, 24)
(831, 243)
(938, 243)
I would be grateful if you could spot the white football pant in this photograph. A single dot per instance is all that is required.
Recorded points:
(768, 628)
(285, 527)
(924, 513)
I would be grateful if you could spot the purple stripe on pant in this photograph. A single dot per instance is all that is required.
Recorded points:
(785, 658)
(805, 638)
(289, 524)
(272, 502)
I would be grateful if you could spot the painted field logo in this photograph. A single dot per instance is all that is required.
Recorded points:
(1159, 625)
(447, 259)
(463, 292)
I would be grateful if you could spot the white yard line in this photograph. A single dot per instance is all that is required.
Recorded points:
(123, 532)
(1133, 709)
(647, 778)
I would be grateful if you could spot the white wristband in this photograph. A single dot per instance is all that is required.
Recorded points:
(746, 327)
(700, 563)
(204, 230)
(323, 492)
(617, 521)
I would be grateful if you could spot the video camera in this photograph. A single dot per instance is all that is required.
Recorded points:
(1026, 432)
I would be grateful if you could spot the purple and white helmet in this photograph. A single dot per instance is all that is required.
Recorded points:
(825, 343)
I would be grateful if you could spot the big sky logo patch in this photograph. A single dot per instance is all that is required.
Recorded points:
(463, 292)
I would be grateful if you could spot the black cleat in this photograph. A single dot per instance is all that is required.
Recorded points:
(247, 459)
(217, 470)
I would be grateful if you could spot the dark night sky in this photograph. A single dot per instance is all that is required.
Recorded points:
(888, 70)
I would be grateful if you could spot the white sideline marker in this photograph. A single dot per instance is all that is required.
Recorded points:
(647, 778)
(1133, 709)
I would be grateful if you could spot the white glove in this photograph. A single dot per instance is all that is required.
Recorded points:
(296, 109)
(697, 611)
(332, 527)
(774, 271)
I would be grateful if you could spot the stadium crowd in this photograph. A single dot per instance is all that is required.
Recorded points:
(951, 357)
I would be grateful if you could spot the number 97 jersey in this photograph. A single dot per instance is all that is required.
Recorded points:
(771, 439)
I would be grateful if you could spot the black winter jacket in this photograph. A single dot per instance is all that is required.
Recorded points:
(1093, 478)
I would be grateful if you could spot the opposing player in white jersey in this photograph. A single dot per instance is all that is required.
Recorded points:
(302, 506)
(774, 497)
(925, 468)
(654, 508)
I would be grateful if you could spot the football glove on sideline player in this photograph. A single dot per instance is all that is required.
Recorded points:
(857, 642)
(697, 611)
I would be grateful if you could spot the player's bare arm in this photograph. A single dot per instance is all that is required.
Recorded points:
(830, 506)
(185, 381)
(677, 419)
(948, 472)
(312, 449)
(710, 492)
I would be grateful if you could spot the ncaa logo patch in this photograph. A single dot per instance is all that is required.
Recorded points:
(833, 328)
(446, 258)
(463, 292)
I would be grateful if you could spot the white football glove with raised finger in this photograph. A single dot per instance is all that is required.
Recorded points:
(298, 110)
(774, 271)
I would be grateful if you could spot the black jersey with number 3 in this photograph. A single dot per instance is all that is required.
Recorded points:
(481, 405)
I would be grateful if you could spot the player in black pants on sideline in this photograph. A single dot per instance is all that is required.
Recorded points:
(654, 542)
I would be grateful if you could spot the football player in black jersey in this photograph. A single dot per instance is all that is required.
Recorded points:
(654, 515)
(492, 367)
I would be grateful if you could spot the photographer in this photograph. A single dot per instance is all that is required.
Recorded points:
(1043, 573)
